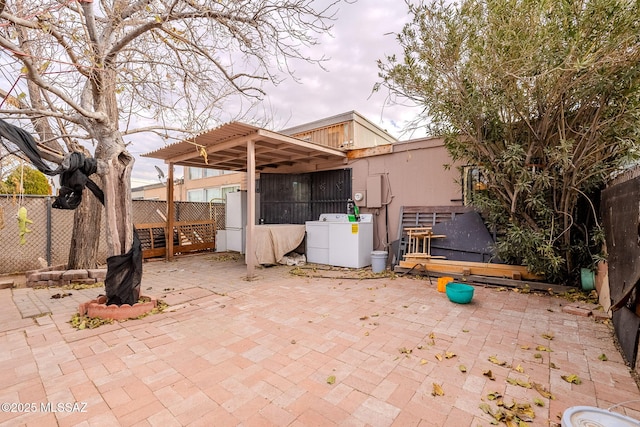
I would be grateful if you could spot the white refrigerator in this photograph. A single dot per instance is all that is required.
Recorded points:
(236, 220)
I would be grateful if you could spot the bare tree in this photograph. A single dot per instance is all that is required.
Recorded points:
(100, 69)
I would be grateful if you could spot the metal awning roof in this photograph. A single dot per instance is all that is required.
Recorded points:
(225, 148)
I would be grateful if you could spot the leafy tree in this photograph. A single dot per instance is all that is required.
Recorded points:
(543, 95)
(96, 72)
(33, 181)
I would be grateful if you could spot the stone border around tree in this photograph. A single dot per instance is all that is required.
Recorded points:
(59, 275)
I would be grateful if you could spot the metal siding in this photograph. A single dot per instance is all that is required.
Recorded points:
(296, 198)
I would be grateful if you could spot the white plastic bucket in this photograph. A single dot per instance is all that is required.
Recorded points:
(378, 261)
(578, 416)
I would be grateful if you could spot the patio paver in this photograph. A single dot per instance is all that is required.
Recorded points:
(300, 351)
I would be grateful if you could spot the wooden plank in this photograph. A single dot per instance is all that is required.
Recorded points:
(470, 268)
(492, 281)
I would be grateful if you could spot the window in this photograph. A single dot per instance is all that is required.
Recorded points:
(198, 173)
(195, 195)
(473, 181)
(217, 194)
(228, 189)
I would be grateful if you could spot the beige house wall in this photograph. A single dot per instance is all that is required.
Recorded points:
(413, 173)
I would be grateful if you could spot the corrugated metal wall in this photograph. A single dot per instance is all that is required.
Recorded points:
(296, 198)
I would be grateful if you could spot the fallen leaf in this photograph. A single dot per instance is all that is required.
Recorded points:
(543, 391)
(465, 330)
(485, 408)
(449, 355)
(603, 357)
(423, 361)
(519, 368)
(494, 359)
(572, 379)
(432, 336)
(364, 317)
(462, 368)
(525, 347)
(439, 357)
(494, 395)
(543, 348)
(537, 356)
(437, 390)
(331, 379)
(538, 402)
(366, 334)
(489, 374)
(519, 382)
(548, 336)
(553, 365)
(524, 412)
(405, 350)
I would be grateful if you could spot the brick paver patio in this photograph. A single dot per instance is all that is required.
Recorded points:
(290, 350)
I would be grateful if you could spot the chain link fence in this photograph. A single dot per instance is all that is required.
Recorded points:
(49, 241)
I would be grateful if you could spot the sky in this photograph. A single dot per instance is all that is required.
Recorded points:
(363, 32)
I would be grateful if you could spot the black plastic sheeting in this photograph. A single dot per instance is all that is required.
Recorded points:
(467, 239)
(124, 272)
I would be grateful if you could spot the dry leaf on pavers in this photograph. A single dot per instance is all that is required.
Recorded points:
(439, 357)
(494, 395)
(405, 350)
(331, 379)
(543, 391)
(537, 356)
(364, 317)
(548, 336)
(519, 382)
(525, 347)
(366, 334)
(489, 375)
(519, 368)
(543, 348)
(423, 361)
(573, 379)
(449, 355)
(462, 368)
(486, 408)
(603, 357)
(437, 390)
(494, 359)
(553, 365)
(538, 402)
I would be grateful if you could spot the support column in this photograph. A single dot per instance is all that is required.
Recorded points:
(251, 208)
(170, 214)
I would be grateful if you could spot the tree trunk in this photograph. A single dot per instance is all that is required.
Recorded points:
(117, 200)
(124, 271)
(87, 219)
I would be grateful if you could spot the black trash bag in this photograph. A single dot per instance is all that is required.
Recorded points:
(74, 178)
(124, 275)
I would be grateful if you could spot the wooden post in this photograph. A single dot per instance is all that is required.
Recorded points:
(170, 213)
(251, 208)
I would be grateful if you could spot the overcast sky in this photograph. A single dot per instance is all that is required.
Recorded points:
(363, 32)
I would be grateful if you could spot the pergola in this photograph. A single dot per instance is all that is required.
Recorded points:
(244, 148)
